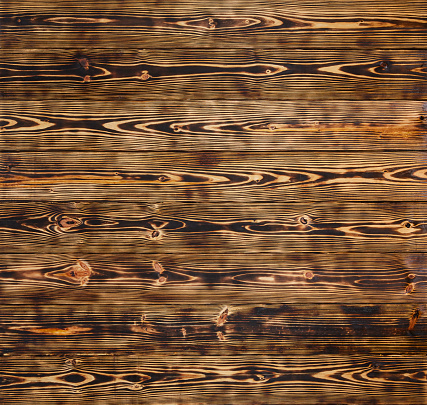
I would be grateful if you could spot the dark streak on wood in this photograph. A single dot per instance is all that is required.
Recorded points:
(251, 329)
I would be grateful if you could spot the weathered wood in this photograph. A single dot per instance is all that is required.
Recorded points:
(214, 125)
(143, 379)
(184, 74)
(202, 278)
(176, 227)
(213, 203)
(237, 24)
(200, 176)
(251, 329)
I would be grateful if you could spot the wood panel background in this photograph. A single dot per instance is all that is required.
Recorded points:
(218, 202)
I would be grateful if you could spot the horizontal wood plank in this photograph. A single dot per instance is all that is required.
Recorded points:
(415, 8)
(214, 177)
(237, 24)
(213, 125)
(264, 28)
(175, 227)
(210, 74)
(143, 379)
(163, 328)
(203, 278)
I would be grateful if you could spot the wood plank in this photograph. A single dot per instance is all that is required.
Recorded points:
(142, 379)
(408, 8)
(213, 125)
(210, 74)
(213, 177)
(163, 328)
(237, 24)
(200, 279)
(175, 227)
(212, 28)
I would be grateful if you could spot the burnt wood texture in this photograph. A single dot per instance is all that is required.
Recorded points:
(216, 202)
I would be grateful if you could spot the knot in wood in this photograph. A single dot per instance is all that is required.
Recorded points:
(222, 317)
(69, 223)
(409, 288)
(144, 75)
(407, 224)
(161, 280)
(84, 63)
(308, 275)
(304, 219)
(158, 267)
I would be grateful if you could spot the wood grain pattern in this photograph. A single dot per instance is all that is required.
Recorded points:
(251, 329)
(229, 176)
(142, 379)
(213, 74)
(213, 203)
(201, 278)
(214, 125)
(177, 227)
(237, 24)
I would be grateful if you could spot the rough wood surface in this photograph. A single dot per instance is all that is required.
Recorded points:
(213, 125)
(220, 202)
(174, 227)
(240, 74)
(237, 24)
(142, 379)
(212, 279)
(250, 329)
(228, 176)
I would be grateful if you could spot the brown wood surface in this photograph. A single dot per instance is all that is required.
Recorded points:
(237, 24)
(218, 202)
(183, 379)
(213, 74)
(161, 125)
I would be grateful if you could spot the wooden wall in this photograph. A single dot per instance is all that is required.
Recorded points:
(215, 202)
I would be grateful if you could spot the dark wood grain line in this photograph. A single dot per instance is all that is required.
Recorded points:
(213, 74)
(219, 125)
(144, 379)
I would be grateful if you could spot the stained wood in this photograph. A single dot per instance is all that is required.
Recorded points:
(185, 74)
(237, 24)
(207, 278)
(251, 329)
(192, 380)
(213, 203)
(229, 176)
(214, 125)
(176, 227)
